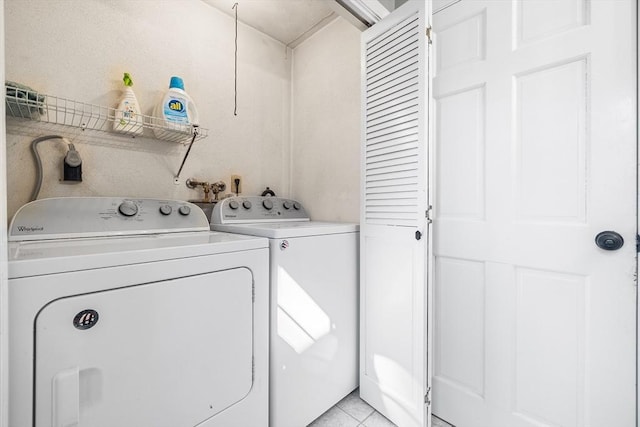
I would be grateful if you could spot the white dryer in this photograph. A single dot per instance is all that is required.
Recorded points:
(314, 303)
(132, 313)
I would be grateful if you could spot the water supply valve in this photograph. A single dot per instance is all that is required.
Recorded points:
(216, 188)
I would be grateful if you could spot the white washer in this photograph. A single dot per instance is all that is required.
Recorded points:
(314, 304)
(132, 313)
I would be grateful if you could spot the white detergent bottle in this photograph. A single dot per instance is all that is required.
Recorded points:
(127, 117)
(177, 111)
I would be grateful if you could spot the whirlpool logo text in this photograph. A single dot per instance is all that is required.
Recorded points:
(29, 229)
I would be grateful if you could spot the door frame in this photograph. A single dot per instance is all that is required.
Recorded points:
(637, 210)
(4, 312)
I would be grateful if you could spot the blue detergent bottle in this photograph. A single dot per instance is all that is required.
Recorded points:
(176, 111)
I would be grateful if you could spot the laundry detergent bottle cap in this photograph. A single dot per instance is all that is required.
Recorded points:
(177, 111)
(127, 117)
(176, 82)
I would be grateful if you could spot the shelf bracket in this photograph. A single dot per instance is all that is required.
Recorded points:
(195, 135)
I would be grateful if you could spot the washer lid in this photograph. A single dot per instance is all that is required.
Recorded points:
(34, 258)
(277, 230)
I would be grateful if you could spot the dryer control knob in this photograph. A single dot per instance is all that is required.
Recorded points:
(128, 208)
(234, 205)
(296, 206)
(165, 210)
(286, 204)
(246, 204)
(268, 204)
(184, 210)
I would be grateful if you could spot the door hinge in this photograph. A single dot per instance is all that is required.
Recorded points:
(637, 243)
(427, 215)
(427, 397)
(428, 33)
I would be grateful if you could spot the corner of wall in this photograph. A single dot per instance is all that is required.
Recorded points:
(287, 146)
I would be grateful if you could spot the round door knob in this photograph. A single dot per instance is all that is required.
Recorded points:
(246, 204)
(184, 210)
(609, 240)
(165, 210)
(234, 205)
(128, 208)
(268, 204)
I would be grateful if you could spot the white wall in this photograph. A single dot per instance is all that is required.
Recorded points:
(79, 49)
(326, 123)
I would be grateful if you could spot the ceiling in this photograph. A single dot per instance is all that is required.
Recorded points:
(288, 21)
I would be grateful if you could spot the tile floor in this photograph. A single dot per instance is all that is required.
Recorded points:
(355, 412)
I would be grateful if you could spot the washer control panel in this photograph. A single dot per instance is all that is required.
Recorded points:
(70, 217)
(238, 210)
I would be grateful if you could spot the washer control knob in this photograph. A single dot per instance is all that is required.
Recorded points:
(246, 204)
(286, 204)
(184, 210)
(128, 208)
(165, 210)
(234, 205)
(296, 206)
(268, 204)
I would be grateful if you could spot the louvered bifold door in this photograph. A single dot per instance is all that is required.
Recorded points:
(394, 234)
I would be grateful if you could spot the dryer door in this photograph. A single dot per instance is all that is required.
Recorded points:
(164, 354)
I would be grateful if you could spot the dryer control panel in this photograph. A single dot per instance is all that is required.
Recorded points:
(72, 217)
(238, 210)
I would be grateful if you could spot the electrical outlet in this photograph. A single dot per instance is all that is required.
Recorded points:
(236, 184)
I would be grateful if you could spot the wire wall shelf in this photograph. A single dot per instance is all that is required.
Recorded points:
(25, 103)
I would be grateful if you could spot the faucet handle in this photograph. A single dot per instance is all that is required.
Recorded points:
(192, 183)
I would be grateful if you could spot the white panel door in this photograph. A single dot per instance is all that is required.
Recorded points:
(394, 298)
(536, 154)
